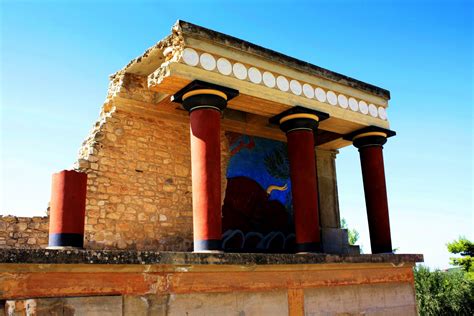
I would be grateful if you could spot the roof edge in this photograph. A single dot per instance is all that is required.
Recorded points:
(237, 43)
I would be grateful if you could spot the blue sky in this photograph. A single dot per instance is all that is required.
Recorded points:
(56, 57)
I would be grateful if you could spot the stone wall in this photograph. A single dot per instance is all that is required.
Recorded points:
(139, 188)
(139, 183)
(68, 306)
(139, 174)
(138, 162)
(375, 299)
(23, 232)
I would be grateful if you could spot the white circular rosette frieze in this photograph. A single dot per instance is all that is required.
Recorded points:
(295, 87)
(207, 61)
(255, 75)
(269, 79)
(190, 57)
(382, 113)
(273, 80)
(308, 91)
(332, 98)
(224, 66)
(373, 110)
(320, 95)
(240, 71)
(363, 107)
(282, 83)
(342, 101)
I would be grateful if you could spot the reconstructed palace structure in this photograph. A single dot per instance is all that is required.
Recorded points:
(208, 187)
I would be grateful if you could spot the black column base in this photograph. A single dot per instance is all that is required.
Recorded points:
(381, 249)
(207, 245)
(66, 240)
(308, 247)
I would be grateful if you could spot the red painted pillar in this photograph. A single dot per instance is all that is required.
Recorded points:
(205, 102)
(206, 178)
(67, 209)
(304, 190)
(300, 124)
(370, 146)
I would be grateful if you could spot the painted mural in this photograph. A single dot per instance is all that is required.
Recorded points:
(257, 211)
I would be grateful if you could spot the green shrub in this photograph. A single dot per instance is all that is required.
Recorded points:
(465, 248)
(444, 292)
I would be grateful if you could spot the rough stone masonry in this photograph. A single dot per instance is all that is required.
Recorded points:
(139, 179)
(139, 214)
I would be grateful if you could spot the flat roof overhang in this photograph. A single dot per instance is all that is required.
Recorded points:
(268, 83)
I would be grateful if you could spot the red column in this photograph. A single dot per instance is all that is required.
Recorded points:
(206, 178)
(371, 158)
(300, 125)
(205, 102)
(370, 142)
(304, 189)
(67, 209)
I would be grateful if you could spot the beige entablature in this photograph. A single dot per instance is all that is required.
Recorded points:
(268, 82)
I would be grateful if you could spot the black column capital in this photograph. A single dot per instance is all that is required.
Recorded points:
(297, 118)
(200, 94)
(369, 136)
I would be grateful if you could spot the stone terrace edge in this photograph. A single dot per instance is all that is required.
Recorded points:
(80, 256)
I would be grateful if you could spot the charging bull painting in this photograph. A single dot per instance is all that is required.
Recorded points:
(257, 211)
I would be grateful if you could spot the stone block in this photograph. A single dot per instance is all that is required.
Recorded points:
(334, 240)
(375, 299)
(237, 303)
(94, 306)
(353, 250)
(90, 306)
(145, 305)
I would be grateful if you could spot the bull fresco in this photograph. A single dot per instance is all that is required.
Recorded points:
(257, 211)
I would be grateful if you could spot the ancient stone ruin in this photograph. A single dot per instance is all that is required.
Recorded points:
(208, 186)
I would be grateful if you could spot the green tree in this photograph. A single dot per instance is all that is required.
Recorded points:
(443, 292)
(353, 234)
(465, 248)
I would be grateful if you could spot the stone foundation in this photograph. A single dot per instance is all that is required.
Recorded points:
(380, 299)
(104, 282)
